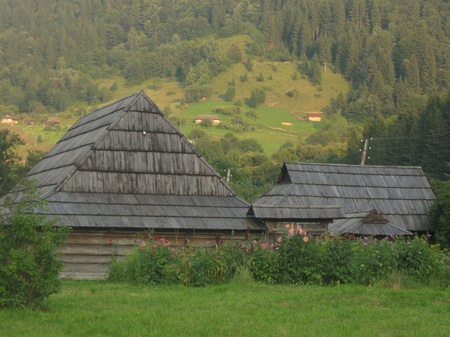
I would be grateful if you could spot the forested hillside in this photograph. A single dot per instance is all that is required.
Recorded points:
(393, 51)
(395, 54)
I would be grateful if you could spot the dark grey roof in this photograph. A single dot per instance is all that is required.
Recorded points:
(284, 211)
(127, 166)
(401, 194)
(365, 223)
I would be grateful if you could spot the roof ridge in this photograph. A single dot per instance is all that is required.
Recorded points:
(354, 165)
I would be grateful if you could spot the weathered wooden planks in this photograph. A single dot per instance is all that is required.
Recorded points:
(87, 253)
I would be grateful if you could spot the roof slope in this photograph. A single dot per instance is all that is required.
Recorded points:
(401, 194)
(366, 223)
(126, 165)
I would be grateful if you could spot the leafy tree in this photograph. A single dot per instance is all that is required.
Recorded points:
(440, 213)
(195, 93)
(234, 54)
(33, 158)
(9, 160)
(29, 252)
(206, 123)
(249, 65)
(196, 133)
(258, 96)
(230, 94)
(252, 113)
(250, 145)
(260, 77)
(244, 78)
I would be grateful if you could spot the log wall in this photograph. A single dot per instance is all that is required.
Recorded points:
(87, 253)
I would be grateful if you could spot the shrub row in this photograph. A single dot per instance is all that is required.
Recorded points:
(294, 259)
(154, 261)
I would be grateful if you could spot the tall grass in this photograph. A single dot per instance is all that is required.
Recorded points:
(234, 309)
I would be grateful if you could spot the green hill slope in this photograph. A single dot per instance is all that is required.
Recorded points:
(280, 118)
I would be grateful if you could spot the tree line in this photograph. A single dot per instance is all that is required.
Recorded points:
(393, 52)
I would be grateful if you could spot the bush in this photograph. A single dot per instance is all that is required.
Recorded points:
(228, 110)
(210, 265)
(146, 264)
(230, 94)
(419, 261)
(337, 257)
(258, 96)
(265, 263)
(372, 260)
(29, 253)
(155, 262)
(296, 258)
(301, 260)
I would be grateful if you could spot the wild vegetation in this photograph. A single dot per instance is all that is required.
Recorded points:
(29, 252)
(295, 258)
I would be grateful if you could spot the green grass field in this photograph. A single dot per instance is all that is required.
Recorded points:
(235, 309)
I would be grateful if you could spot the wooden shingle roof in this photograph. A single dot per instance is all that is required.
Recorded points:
(127, 166)
(365, 223)
(401, 194)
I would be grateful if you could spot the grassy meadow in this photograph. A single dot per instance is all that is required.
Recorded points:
(95, 308)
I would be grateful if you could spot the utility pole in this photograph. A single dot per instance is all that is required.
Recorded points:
(364, 151)
(228, 176)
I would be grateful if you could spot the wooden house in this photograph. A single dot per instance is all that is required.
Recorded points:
(215, 120)
(319, 193)
(314, 116)
(8, 119)
(125, 169)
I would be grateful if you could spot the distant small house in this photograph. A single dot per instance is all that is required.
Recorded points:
(8, 119)
(53, 121)
(213, 118)
(314, 116)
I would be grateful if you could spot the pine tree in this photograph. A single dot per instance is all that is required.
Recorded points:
(315, 71)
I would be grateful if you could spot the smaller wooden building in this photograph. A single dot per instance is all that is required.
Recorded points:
(10, 120)
(369, 223)
(314, 116)
(322, 194)
(215, 120)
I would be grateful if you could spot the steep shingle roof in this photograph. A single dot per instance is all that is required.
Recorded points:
(401, 194)
(126, 166)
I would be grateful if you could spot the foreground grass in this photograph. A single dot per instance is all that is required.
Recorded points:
(102, 309)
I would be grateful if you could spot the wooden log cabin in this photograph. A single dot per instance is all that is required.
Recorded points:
(125, 169)
(370, 200)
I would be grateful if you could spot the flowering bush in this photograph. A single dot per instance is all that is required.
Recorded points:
(264, 263)
(155, 261)
(213, 265)
(146, 264)
(301, 260)
(294, 258)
